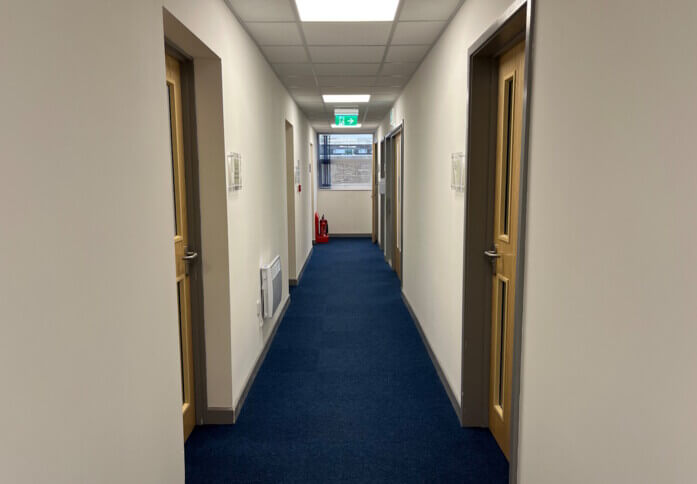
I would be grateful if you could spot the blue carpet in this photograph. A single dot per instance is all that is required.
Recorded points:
(347, 393)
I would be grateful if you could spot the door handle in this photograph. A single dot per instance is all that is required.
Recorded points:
(190, 256)
(492, 254)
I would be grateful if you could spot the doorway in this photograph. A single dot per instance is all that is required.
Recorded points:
(183, 253)
(397, 205)
(499, 93)
(312, 188)
(393, 165)
(381, 196)
(374, 194)
(290, 198)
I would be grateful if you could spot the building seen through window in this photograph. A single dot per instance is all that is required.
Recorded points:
(345, 161)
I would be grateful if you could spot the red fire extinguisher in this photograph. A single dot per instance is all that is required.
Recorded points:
(321, 230)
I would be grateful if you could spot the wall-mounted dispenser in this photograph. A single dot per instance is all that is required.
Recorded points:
(234, 172)
(457, 174)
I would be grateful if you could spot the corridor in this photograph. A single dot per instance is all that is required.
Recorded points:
(348, 241)
(347, 392)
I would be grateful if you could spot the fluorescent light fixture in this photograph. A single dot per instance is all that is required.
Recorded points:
(346, 98)
(347, 127)
(347, 10)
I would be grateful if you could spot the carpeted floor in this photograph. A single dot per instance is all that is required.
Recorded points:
(347, 393)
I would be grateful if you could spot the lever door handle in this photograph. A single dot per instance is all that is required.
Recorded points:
(190, 256)
(492, 254)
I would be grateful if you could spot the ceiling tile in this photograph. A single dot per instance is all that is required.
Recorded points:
(385, 95)
(275, 33)
(293, 82)
(379, 109)
(428, 9)
(262, 10)
(285, 53)
(417, 32)
(347, 33)
(309, 100)
(314, 108)
(344, 90)
(319, 114)
(406, 53)
(346, 81)
(293, 69)
(354, 54)
(346, 69)
(391, 81)
(398, 68)
(296, 93)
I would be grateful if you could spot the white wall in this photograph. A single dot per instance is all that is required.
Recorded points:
(609, 366)
(434, 109)
(89, 350)
(89, 354)
(347, 211)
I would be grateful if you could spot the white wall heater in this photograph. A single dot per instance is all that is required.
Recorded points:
(271, 287)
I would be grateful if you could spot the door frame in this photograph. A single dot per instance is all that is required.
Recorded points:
(390, 227)
(514, 25)
(311, 169)
(374, 194)
(289, 151)
(191, 163)
(381, 196)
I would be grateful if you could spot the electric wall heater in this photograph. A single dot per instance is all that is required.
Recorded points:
(271, 287)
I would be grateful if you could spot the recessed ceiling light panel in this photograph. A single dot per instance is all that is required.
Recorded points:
(346, 98)
(347, 10)
(347, 127)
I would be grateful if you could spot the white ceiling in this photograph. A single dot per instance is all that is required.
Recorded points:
(315, 58)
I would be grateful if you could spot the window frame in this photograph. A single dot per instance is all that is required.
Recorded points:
(368, 186)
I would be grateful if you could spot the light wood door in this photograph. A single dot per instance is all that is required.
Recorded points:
(182, 255)
(504, 250)
(374, 194)
(397, 252)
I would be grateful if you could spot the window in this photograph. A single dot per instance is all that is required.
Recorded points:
(345, 161)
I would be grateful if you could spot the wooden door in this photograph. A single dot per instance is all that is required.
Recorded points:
(504, 250)
(182, 255)
(397, 250)
(382, 197)
(312, 188)
(374, 196)
(290, 198)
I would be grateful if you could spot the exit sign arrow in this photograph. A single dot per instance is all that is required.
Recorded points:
(346, 119)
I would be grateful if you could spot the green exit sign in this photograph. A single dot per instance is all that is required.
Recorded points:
(346, 119)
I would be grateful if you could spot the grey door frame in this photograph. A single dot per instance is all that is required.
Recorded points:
(381, 197)
(516, 24)
(388, 141)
